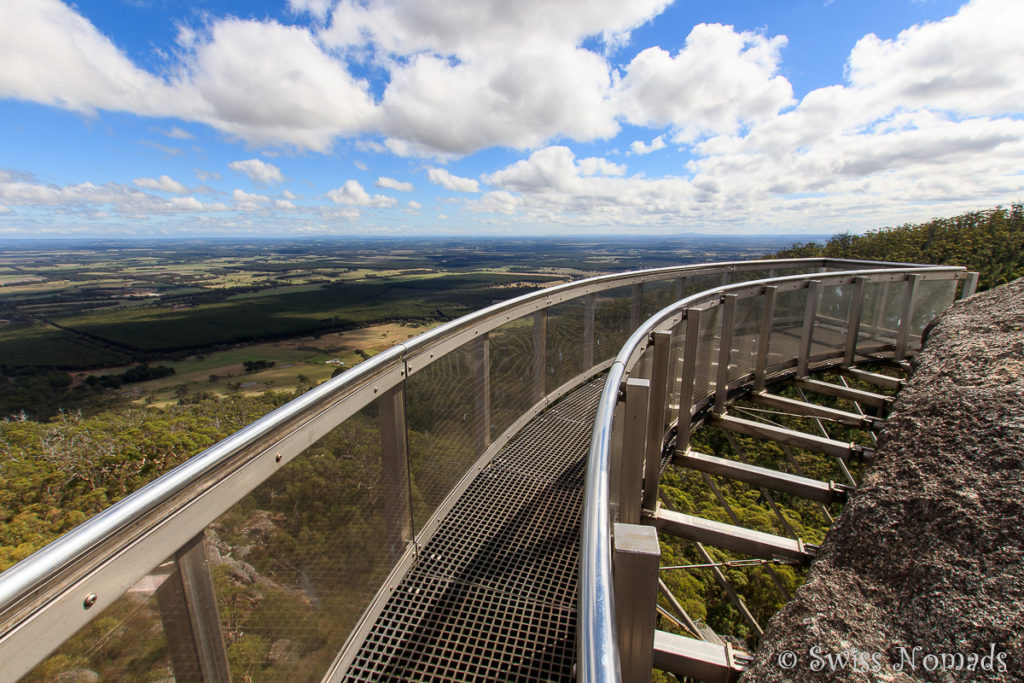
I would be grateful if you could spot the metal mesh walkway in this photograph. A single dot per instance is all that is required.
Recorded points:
(493, 594)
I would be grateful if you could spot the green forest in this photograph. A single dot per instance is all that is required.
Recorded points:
(98, 448)
(989, 242)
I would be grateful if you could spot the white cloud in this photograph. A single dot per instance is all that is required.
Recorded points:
(640, 147)
(392, 184)
(415, 206)
(442, 177)
(288, 194)
(258, 171)
(249, 202)
(353, 194)
(317, 8)
(600, 166)
(179, 134)
(163, 184)
(206, 175)
(283, 204)
(720, 81)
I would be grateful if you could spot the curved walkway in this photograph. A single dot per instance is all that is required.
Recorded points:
(492, 596)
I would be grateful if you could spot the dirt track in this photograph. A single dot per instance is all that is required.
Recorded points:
(929, 554)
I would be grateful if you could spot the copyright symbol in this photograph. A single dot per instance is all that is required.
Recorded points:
(786, 659)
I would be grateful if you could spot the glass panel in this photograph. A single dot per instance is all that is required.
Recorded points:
(565, 343)
(706, 369)
(657, 295)
(932, 298)
(880, 316)
(297, 561)
(746, 330)
(511, 373)
(787, 325)
(126, 642)
(832, 320)
(611, 322)
(443, 408)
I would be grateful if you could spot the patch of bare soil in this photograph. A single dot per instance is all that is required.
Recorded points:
(922, 576)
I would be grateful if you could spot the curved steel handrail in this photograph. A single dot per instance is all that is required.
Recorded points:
(27, 587)
(598, 658)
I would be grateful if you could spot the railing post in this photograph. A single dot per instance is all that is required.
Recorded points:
(689, 375)
(680, 288)
(724, 353)
(188, 611)
(662, 342)
(807, 338)
(764, 340)
(588, 330)
(635, 306)
(853, 325)
(634, 433)
(635, 567)
(540, 353)
(970, 285)
(482, 380)
(905, 316)
(395, 470)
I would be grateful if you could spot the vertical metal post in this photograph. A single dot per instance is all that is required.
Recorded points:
(188, 611)
(724, 352)
(635, 565)
(656, 417)
(810, 311)
(635, 306)
(689, 375)
(906, 315)
(726, 277)
(680, 288)
(482, 380)
(970, 285)
(634, 433)
(853, 326)
(540, 353)
(765, 338)
(394, 449)
(588, 331)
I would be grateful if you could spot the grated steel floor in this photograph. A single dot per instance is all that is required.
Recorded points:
(492, 596)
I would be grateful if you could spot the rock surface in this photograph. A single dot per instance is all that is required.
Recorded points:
(922, 576)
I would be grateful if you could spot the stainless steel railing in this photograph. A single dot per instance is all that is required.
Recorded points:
(723, 341)
(406, 429)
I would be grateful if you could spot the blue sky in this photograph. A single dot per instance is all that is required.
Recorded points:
(321, 117)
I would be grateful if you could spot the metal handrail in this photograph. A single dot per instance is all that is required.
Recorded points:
(36, 583)
(598, 658)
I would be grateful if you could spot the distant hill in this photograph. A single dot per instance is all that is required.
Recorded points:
(990, 242)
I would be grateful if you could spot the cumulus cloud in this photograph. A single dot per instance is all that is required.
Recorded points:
(641, 147)
(163, 184)
(441, 176)
(392, 184)
(720, 81)
(246, 201)
(179, 134)
(353, 194)
(258, 171)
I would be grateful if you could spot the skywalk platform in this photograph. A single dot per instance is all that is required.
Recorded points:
(493, 594)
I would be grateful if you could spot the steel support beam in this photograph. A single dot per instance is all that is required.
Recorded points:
(906, 316)
(662, 343)
(724, 352)
(635, 567)
(690, 342)
(790, 437)
(732, 537)
(810, 489)
(853, 324)
(631, 474)
(697, 659)
(970, 285)
(188, 611)
(636, 301)
(726, 585)
(878, 380)
(764, 339)
(482, 379)
(856, 395)
(807, 333)
(681, 613)
(791, 405)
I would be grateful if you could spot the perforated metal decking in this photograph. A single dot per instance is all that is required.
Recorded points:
(492, 596)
